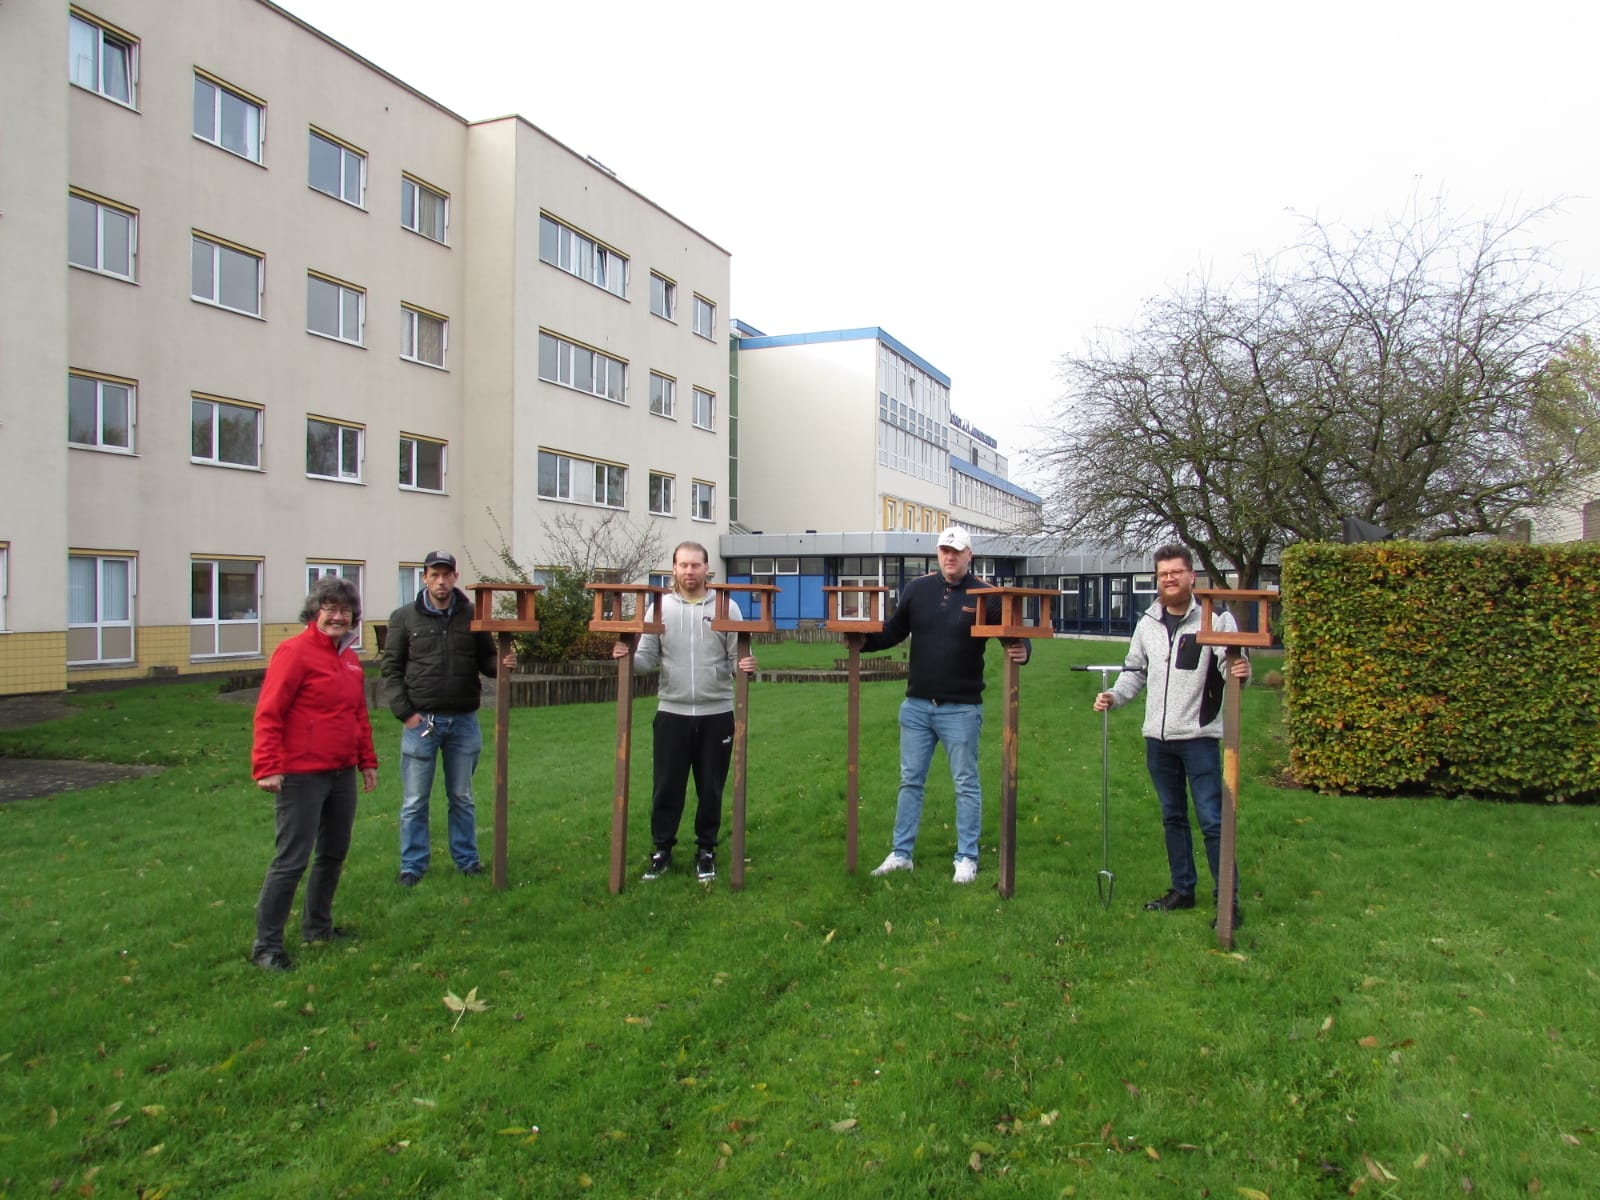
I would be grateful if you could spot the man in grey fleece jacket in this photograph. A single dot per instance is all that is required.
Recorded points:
(1182, 719)
(694, 711)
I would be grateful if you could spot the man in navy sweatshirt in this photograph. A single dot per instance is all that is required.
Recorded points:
(944, 697)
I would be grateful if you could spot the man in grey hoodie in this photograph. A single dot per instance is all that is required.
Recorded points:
(694, 710)
(1182, 719)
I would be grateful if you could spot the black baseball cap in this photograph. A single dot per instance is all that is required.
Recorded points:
(439, 558)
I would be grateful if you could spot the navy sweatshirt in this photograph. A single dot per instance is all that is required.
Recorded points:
(946, 660)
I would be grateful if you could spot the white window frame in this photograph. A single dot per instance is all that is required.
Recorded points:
(100, 623)
(409, 578)
(411, 318)
(578, 254)
(105, 37)
(663, 396)
(213, 458)
(582, 480)
(203, 244)
(255, 139)
(702, 500)
(663, 298)
(347, 435)
(409, 444)
(567, 363)
(5, 581)
(352, 571)
(101, 383)
(103, 208)
(662, 498)
(216, 623)
(705, 318)
(348, 156)
(350, 328)
(703, 409)
(412, 190)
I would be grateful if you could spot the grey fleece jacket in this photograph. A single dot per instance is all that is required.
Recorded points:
(1172, 710)
(697, 663)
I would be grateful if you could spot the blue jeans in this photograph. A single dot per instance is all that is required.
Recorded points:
(458, 739)
(1197, 762)
(922, 723)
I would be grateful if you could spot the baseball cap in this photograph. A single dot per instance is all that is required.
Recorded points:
(439, 558)
(956, 538)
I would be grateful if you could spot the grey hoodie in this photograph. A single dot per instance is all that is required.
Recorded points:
(1172, 710)
(696, 662)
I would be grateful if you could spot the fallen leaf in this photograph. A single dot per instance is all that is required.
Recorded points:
(1369, 1042)
(829, 938)
(844, 1126)
(1150, 1153)
(888, 926)
(1377, 1170)
(976, 1161)
(1327, 1024)
(1133, 1088)
(1252, 1194)
(1570, 1140)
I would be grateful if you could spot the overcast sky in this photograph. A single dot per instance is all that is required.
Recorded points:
(991, 183)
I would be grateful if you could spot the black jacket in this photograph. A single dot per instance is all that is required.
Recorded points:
(431, 661)
(946, 660)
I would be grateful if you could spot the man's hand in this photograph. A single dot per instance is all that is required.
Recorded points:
(270, 783)
(1239, 666)
(1103, 701)
(1016, 650)
(855, 640)
(620, 649)
(747, 664)
(509, 662)
(369, 779)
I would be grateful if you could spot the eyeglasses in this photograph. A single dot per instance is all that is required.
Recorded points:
(1171, 574)
(328, 606)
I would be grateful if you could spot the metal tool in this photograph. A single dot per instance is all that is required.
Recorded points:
(1106, 881)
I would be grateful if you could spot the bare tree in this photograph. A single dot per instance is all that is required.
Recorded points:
(1399, 375)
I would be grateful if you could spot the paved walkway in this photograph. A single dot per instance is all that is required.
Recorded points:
(30, 778)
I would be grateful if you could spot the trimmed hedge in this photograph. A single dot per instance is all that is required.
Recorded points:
(1462, 667)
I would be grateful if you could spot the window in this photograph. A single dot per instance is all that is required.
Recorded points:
(704, 501)
(424, 336)
(424, 209)
(101, 235)
(225, 274)
(338, 570)
(410, 580)
(663, 296)
(334, 309)
(5, 551)
(333, 449)
(663, 395)
(1591, 521)
(224, 607)
(99, 609)
(704, 415)
(337, 168)
(705, 317)
(100, 412)
(422, 463)
(227, 117)
(578, 254)
(103, 60)
(582, 480)
(224, 433)
(661, 490)
(575, 366)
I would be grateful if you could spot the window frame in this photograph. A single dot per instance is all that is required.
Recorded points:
(5, 581)
(216, 402)
(341, 428)
(569, 249)
(216, 245)
(222, 88)
(709, 309)
(101, 381)
(703, 398)
(104, 32)
(411, 189)
(695, 501)
(669, 409)
(415, 440)
(414, 573)
(577, 490)
(338, 568)
(342, 288)
(101, 624)
(411, 316)
(345, 150)
(603, 368)
(217, 623)
(669, 490)
(101, 206)
(669, 297)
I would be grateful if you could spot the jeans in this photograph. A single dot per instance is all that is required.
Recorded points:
(1197, 761)
(683, 743)
(922, 723)
(458, 739)
(314, 809)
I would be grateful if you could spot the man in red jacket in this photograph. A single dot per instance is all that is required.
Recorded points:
(311, 736)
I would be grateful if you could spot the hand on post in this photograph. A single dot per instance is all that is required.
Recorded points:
(1016, 651)
(1239, 666)
(620, 649)
(1103, 701)
(747, 664)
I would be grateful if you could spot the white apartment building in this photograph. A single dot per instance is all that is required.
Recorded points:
(301, 319)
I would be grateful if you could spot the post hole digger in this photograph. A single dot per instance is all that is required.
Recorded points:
(1106, 881)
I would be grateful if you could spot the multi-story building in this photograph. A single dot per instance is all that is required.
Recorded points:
(303, 320)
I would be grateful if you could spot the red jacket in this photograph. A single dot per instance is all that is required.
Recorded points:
(312, 711)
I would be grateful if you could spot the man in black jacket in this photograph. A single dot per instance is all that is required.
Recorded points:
(944, 696)
(431, 664)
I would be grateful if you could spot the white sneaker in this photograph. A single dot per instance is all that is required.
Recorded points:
(966, 870)
(895, 862)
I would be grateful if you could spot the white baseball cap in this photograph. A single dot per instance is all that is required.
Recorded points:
(956, 538)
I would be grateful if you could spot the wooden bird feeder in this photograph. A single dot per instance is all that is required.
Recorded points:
(525, 621)
(1011, 624)
(1209, 597)
(855, 609)
(614, 613)
(759, 620)
(864, 606)
(760, 617)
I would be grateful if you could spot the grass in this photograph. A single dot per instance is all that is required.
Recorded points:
(1409, 1010)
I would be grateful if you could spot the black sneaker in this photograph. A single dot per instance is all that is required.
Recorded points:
(1174, 899)
(273, 960)
(408, 879)
(660, 863)
(475, 869)
(705, 866)
(336, 934)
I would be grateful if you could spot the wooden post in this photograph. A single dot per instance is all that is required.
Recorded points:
(1009, 628)
(612, 615)
(1233, 641)
(525, 621)
(760, 620)
(865, 616)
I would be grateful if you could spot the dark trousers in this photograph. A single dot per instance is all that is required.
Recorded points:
(316, 809)
(683, 744)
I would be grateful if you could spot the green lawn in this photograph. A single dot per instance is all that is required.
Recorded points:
(1409, 1010)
